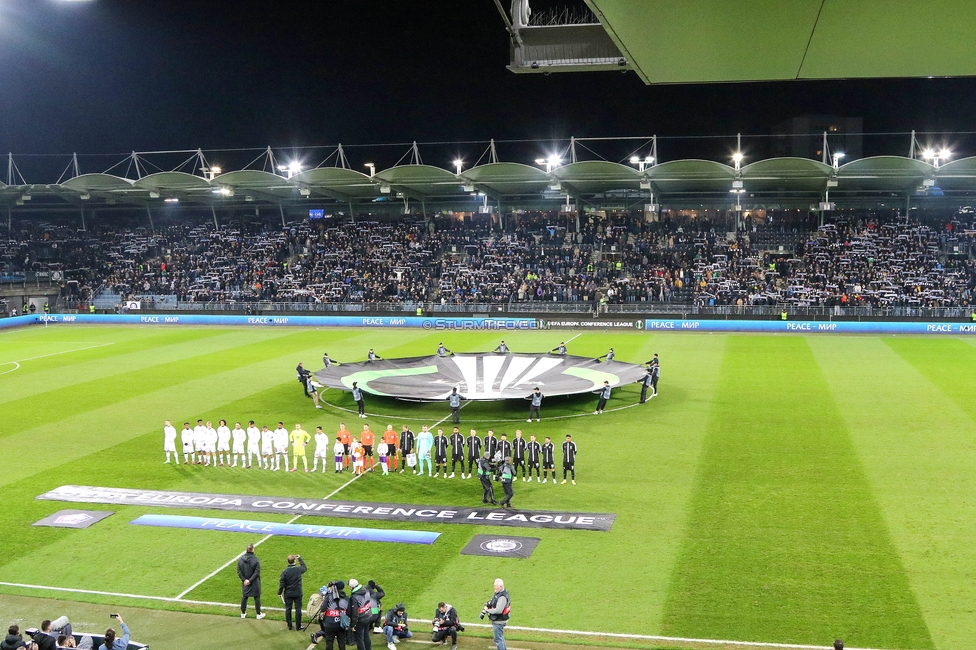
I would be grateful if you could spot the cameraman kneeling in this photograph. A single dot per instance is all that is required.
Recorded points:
(395, 626)
(446, 624)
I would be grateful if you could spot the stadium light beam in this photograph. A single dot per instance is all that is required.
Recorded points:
(737, 159)
(837, 156)
(550, 162)
(458, 164)
(641, 163)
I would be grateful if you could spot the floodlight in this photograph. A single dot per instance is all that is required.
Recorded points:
(737, 156)
(928, 153)
(838, 155)
(540, 161)
(171, 199)
(372, 169)
(634, 160)
(554, 160)
(294, 167)
(215, 170)
(945, 154)
(458, 163)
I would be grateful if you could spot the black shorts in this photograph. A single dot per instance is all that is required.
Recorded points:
(518, 461)
(568, 465)
(533, 463)
(345, 449)
(457, 458)
(548, 466)
(440, 458)
(368, 450)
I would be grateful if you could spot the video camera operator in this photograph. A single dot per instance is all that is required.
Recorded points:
(43, 638)
(395, 626)
(331, 615)
(497, 609)
(446, 624)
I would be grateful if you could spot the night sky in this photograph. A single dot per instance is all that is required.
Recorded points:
(111, 76)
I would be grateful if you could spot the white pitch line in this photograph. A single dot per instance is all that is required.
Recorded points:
(44, 356)
(615, 635)
(179, 597)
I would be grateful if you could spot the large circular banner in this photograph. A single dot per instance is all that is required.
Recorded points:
(479, 376)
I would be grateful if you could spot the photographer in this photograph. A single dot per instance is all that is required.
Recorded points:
(290, 590)
(43, 639)
(376, 594)
(331, 613)
(497, 609)
(112, 643)
(359, 614)
(395, 626)
(446, 624)
(484, 475)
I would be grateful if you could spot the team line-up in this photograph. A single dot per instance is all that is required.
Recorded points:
(269, 449)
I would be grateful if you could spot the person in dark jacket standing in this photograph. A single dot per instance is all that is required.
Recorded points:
(249, 571)
(290, 590)
(357, 396)
(484, 475)
(473, 444)
(647, 381)
(303, 378)
(535, 404)
(604, 394)
(359, 614)
(13, 640)
(569, 458)
(454, 401)
(507, 474)
(334, 606)
(406, 447)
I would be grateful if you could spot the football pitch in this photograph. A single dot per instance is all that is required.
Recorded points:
(781, 488)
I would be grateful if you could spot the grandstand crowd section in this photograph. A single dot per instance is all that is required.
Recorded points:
(874, 260)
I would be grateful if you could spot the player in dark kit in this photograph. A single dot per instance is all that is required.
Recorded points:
(457, 451)
(548, 460)
(440, 453)
(569, 458)
(484, 475)
(533, 455)
(490, 444)
(473, 443)
(406, 446)
(518, 454)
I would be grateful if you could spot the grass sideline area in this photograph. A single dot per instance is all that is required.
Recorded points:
(782, 488)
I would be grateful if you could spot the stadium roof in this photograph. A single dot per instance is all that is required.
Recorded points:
(697, 41)
(510, 183)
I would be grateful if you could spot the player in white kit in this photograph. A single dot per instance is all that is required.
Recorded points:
(199, 442)
(321, 449)
(210, 446)
(267, 447)
(238, 437)
(253, 443)
(186, 436)
(169, 442)
(223, 443)
(280, 446)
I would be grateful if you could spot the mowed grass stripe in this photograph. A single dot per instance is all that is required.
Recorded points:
(786, 542)
(160, 369)
(918, 450)
(947, 363)
(63, 370)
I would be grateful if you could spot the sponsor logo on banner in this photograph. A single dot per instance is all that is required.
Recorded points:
(496, 546)
(133, 304)
(808, 326)
(593, 324)
(74, 518)
(288, 530)
(391, 512)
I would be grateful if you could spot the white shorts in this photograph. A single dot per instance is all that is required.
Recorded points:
(187, 447)
(266, 450)
(321, 453)
(223, 446)
(253, 450)
(169, 446)
(198, 445)
(238, 447)
(208, 447)
(281, 450)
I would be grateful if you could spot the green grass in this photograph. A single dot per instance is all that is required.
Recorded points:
(782, 488)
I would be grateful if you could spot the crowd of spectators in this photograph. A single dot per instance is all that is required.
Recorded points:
(535, 257)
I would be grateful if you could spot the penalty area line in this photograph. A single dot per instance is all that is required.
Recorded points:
(179, 596)
(44, 356)
(520, 628)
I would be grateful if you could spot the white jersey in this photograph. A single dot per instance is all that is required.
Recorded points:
(267, 442)
(211, 435)
(223, 438)
(321, 445)
(199, 437)
(169, 438)
(338, 448)
(382, 449)
(239, 437)
(281, 440)
(187, 437)
(253, 439)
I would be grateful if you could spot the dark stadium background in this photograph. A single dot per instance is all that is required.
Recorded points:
(112, 76)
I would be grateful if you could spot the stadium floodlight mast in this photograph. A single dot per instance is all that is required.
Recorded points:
(836, 157)
(291, 168)
(937, 156)
(551, 162)
(458, 164)
(641, 162)
(737, 159)
(372, 169)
